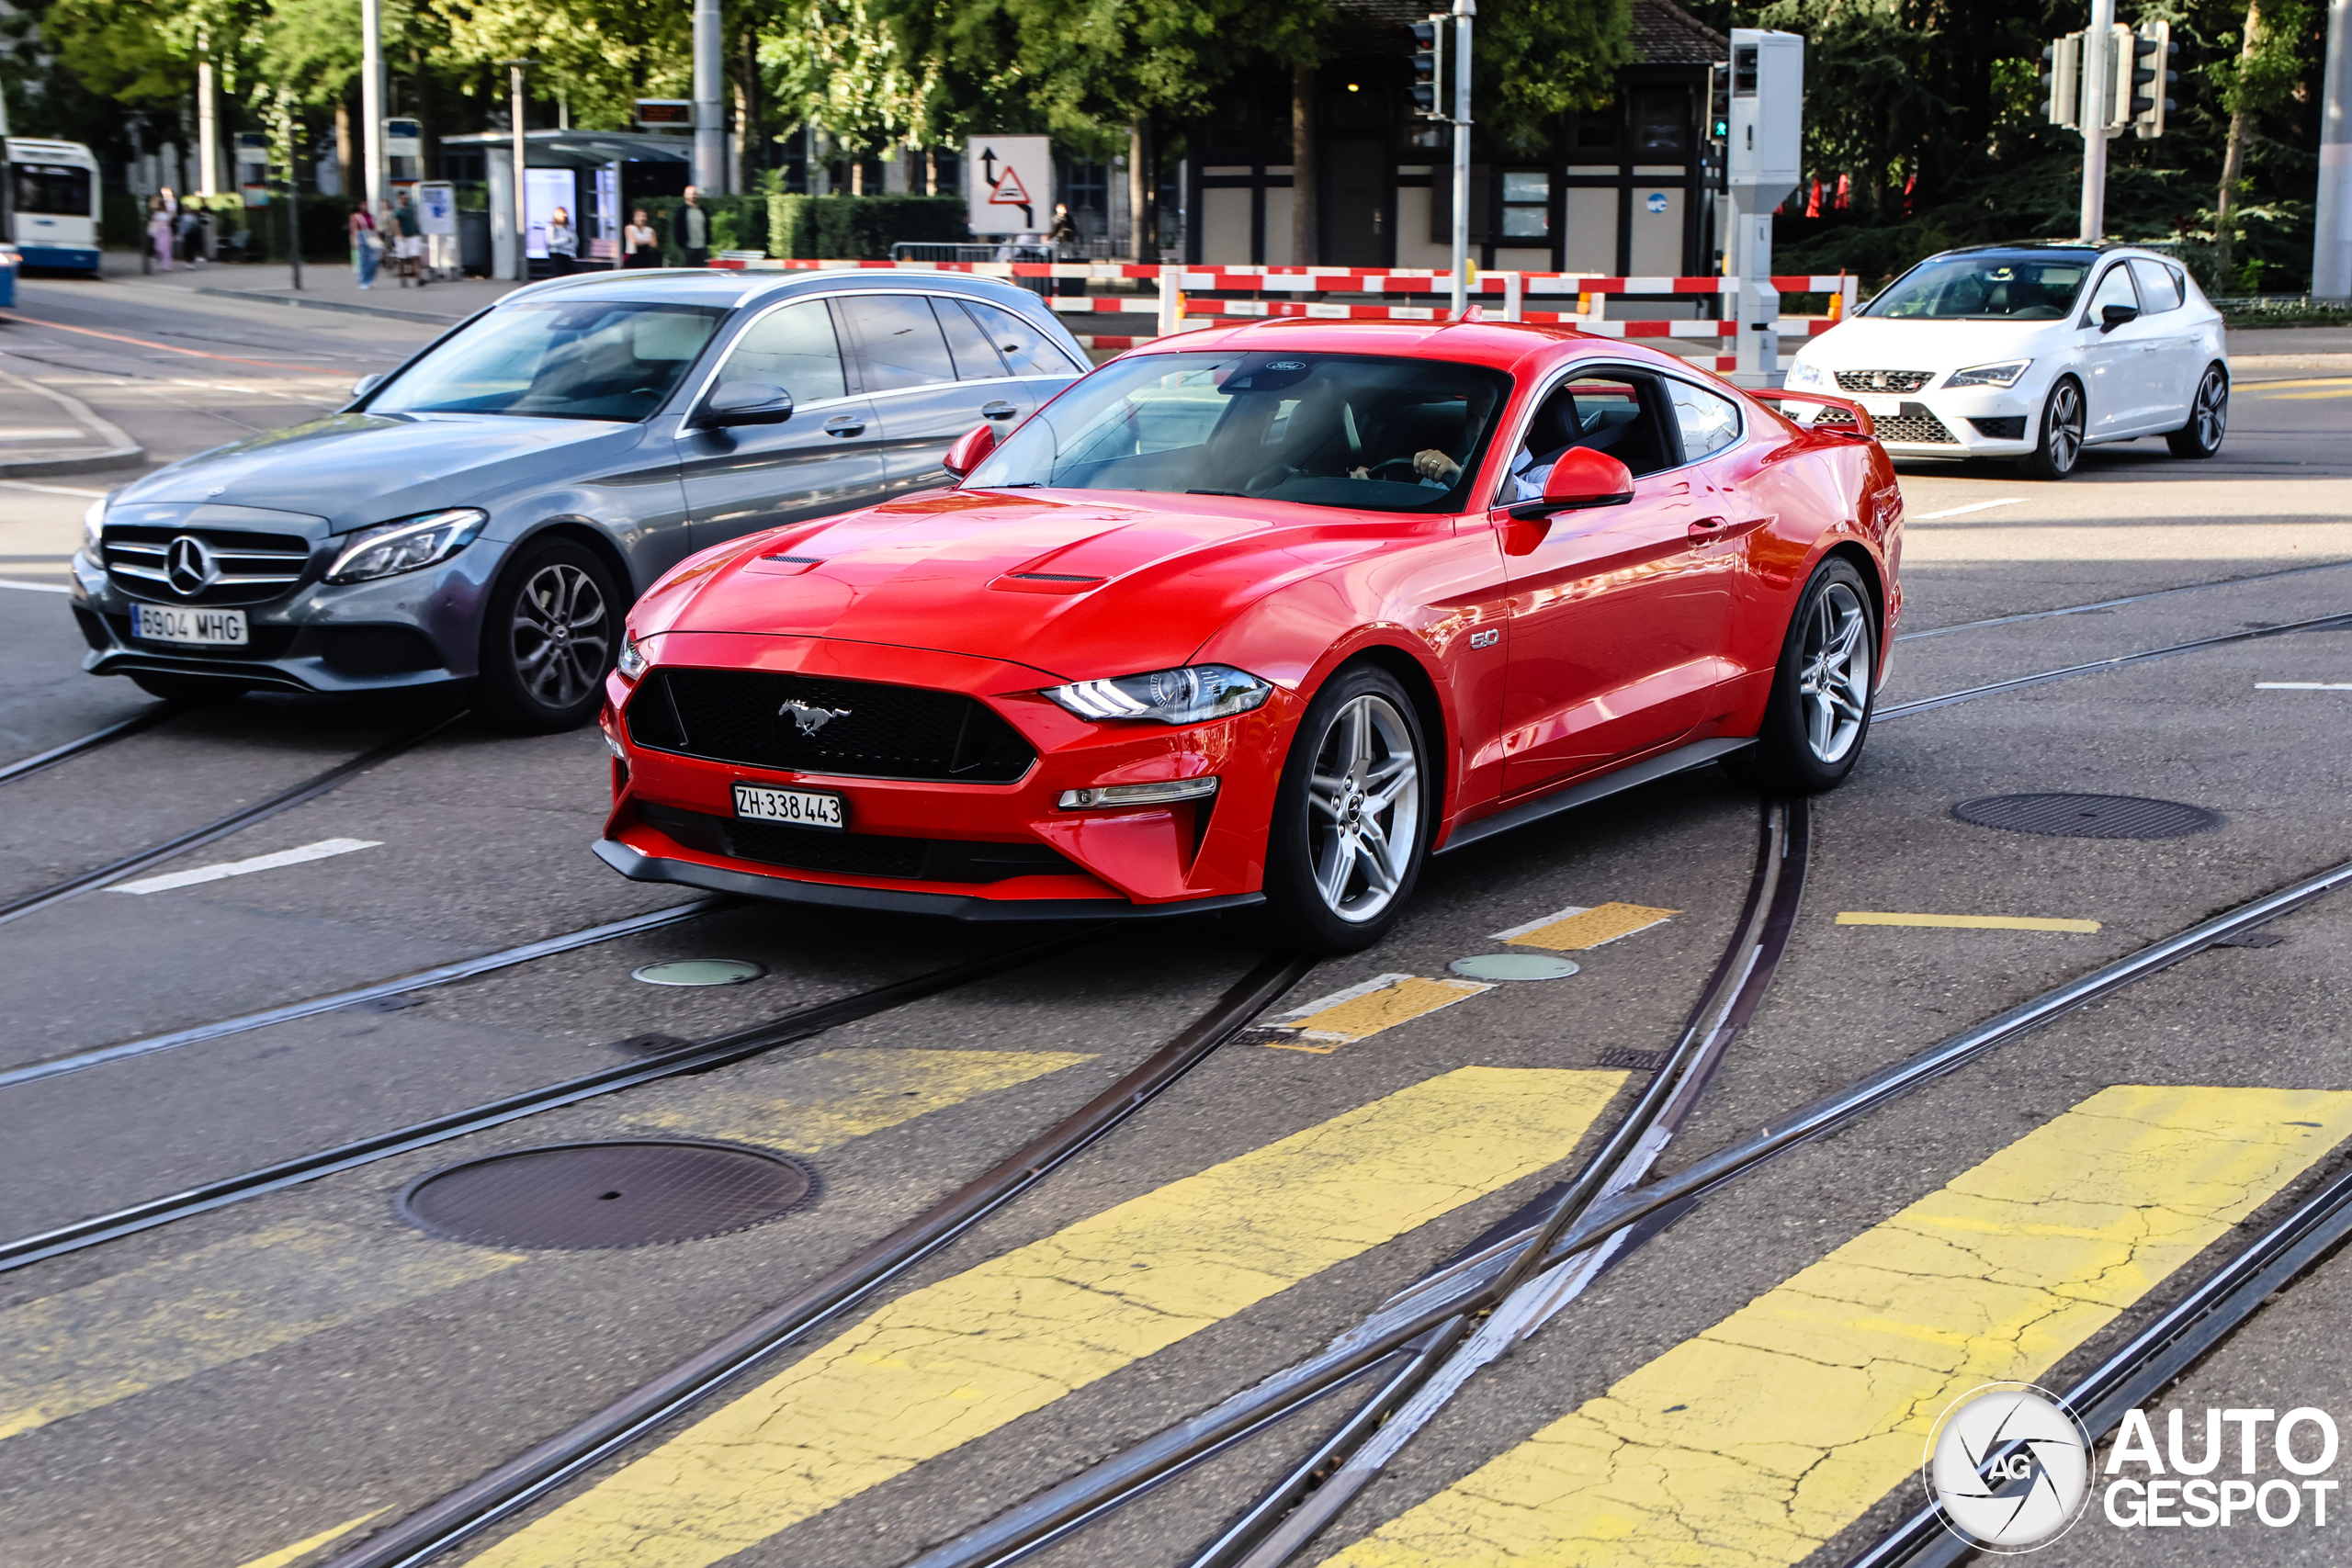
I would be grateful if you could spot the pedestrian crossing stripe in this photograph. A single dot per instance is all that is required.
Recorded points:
(1577, 928)
(952, 1361)
(163, 1322)
(1363, 1011)
(1759, 1439)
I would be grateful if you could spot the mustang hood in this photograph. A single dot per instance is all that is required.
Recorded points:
(1068, 582)
(359, 470)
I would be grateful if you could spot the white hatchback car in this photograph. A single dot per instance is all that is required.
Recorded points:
(2032, 352)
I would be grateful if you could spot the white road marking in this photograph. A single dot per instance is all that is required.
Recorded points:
(1377, 983)
(34, 587)
(1972, 506)
(2303, 685)
(50, 489)
(320, 850)
(43, 432)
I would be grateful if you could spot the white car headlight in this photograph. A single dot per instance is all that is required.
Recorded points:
(2004, 374)
(1803, 375)
(94, 523)
(1188, 695)
(407, 545)
(632, 660)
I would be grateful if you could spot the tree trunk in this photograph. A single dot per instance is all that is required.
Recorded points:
(1306, 226)
(1142, 188)
(343, 158)
(2233, 153)
(857, 174)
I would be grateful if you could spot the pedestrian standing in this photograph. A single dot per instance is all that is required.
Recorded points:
(640, 246)
(563, 244)
(366, 245)
(411, 241)
(187, 236)
(690, 229)
(159, 232)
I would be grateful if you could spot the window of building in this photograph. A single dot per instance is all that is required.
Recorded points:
(1662, 122)
(1527, 204)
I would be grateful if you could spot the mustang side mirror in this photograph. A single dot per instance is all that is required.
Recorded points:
(365, 385)
(1582, 478)
(2113, 316)
(746, 402)
(970, 450)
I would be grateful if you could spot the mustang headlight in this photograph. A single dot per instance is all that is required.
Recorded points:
(2004, 374)
(1803, 375)
(407, 545)
(632, 661)
(1188, 695)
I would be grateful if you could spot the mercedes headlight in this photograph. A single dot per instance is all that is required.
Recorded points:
(407, 545)
(1803, 375)
(2004, 374)
(1188, 695)
(94, 523)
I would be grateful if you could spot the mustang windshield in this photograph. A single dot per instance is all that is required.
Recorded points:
(576, 359)
(1985, 287)
(1361, 430)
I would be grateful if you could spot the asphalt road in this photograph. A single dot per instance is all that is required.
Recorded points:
(265, 1383)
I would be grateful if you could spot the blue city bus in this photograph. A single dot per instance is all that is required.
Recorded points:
(54, 206)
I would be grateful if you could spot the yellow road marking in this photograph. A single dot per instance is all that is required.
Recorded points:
(161, 1322)
(2306, 396)
(2307, 382)
(1575, 927)
(1364, 1011)
(171, 1320)
(285, 1555)
(840, 1095)
(1965, 922)
(960, 1358)
(1761, 1438)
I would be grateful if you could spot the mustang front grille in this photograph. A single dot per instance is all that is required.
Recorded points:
(808, 724)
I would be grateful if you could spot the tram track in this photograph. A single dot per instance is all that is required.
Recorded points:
(136, 724)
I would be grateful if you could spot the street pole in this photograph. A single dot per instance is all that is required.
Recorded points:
(515, 116)
(711, 126)
(371, 98)
(208, 127)
(1462, 11)
(2332, 236)
(2098, 77)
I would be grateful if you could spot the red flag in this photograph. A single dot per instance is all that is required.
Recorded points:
(1845, 191)
(1813, 205)
(1908, 187)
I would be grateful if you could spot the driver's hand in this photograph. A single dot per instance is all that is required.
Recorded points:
(1359, 473)
(1432, 464)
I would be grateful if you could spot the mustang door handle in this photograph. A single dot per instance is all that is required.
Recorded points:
(1707, 527)
(1000, 410)
(844, 425)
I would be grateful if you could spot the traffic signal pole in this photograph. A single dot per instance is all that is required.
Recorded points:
(2098, 74)
(2332, 238)
(1462, 11)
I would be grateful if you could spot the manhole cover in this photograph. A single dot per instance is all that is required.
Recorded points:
(699, 971)
(2087, 816)
(630, 1193)
(1513, 966)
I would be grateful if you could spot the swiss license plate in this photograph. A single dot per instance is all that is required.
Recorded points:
(800, 808)
(180, 623)
(1882, 408)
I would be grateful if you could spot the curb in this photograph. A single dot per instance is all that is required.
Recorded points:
(425, 316)
(90, 463)
(123, 453)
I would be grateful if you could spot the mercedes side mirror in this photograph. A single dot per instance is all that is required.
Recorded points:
(1582, 478)
(746, 402)
(970, 450)
(2113, 316)
(365, 385)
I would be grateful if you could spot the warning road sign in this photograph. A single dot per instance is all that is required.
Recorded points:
(1008, 183)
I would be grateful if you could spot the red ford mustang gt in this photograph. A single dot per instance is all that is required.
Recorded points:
(1260, 618)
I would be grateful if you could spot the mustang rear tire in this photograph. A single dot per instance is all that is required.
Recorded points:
(1821, 691)
(1352, 818)
(550, 632)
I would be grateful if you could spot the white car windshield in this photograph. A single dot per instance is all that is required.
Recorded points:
(557, 359)
(1985, 287)
(1362, 431)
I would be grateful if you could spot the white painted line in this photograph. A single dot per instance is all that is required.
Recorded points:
(35, 587)
(1540, 922)
(1378, 982)
(52, 489)
(320, 850)
(43, 432)
(1972, 506)
(2303, 685)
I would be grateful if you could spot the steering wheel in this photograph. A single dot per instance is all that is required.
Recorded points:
(1411, 475)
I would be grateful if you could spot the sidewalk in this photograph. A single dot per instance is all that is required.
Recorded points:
(46, 432)
(333, 287)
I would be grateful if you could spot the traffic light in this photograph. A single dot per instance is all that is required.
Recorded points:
(2063, 81)
(1428, 67)
(2152, 54)
(1718, 103)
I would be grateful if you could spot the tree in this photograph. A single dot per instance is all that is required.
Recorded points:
(2263, 77)
(833, 65)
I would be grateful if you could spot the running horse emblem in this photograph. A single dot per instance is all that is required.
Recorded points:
(809, 719)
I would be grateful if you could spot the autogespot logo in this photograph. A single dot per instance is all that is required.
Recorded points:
(2008, 1466)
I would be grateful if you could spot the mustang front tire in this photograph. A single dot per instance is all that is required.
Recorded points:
(1352, 818)
(1821, 691)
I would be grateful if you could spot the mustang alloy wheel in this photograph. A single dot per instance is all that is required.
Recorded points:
(548, 636)
(1351, 821)
(2208, 417)
(2062, 423)
(1819, 714)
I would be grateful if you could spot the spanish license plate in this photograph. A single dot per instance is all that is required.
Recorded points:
(1882, 408)
(800, 808)
(180, 623)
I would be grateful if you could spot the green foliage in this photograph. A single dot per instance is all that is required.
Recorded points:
(863, 228)
(835, 65)
(736, 223)
(601, 54)
(1581, 44)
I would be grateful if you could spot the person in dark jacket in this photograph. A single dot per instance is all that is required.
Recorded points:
(690, 229)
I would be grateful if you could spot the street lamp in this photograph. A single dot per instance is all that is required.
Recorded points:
(514, 115)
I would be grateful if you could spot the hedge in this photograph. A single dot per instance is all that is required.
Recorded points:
(860, 228)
